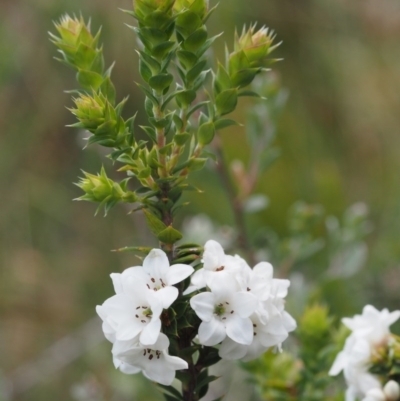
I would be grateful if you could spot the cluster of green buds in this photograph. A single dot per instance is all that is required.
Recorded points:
(174, 68)
(99, 188)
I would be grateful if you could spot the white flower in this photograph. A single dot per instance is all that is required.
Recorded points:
(131, 313)
(215, 263)
(141, 295)
(372, 325)
(392, 390)
(369, 330)
(224, 312)
(152, 360)
(376, 394)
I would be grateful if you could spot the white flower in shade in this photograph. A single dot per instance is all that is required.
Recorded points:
(224, 312)
(152, 360)
(142, 292)
(215, 263)
(369, 330)
(266, 335)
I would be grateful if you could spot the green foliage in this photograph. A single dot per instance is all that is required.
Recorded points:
(175, 39)
(285, 377)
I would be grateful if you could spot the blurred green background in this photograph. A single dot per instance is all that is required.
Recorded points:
(340, 144)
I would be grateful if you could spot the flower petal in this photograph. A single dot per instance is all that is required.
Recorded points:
(127, 330)
(166, 296)
(213, 256)
(156, 263)
(212, 332)
(231, 350)
(151, 331)
(239, 330)
(178, 273)
(159, 372)
(244, 303)
(203, 304)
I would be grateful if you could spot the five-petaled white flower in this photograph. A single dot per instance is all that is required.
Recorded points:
(142, 292)
(267, 334)
(153, 360)
(224, 311)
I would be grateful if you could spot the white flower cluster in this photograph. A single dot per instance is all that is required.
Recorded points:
(243, 309)
(369, 330)
(131, 318)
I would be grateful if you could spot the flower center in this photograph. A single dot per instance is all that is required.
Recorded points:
(143, 313)
(155, 284)
(223, 309)
(151, 353)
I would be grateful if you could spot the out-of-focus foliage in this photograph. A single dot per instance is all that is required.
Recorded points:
(338, 140)
(284, 377)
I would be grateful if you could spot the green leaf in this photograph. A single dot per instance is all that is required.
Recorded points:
(244, 77)
(197, 164)
(171, 390)
(222, 81)
(153, 64)
(150, 132)
(224, 123)
(197, 107)
(161, 81)
(155, 224)
(161, 50)
(195, 71)
(195, 40)
(186, 259)
(206, 133)
(187, 59)
(185, 98)
(187, 22)
(169, 235)
(142, 249)
(84, 56)
(107, 88)
(211, 357)
(250, 94)
(205, 382)
(145, 71)
(148, 94)
(89, 80)
(181, 138)
(172, 398)
(226, 101)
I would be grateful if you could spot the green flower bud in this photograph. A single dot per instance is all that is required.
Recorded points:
(256, 45)
(77, 44)
(249, 56)
(90, 111)
(99, 188)
(74, 31)
(98, 116)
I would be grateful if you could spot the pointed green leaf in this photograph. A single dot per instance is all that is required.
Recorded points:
(169, 236)
(155, 224)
